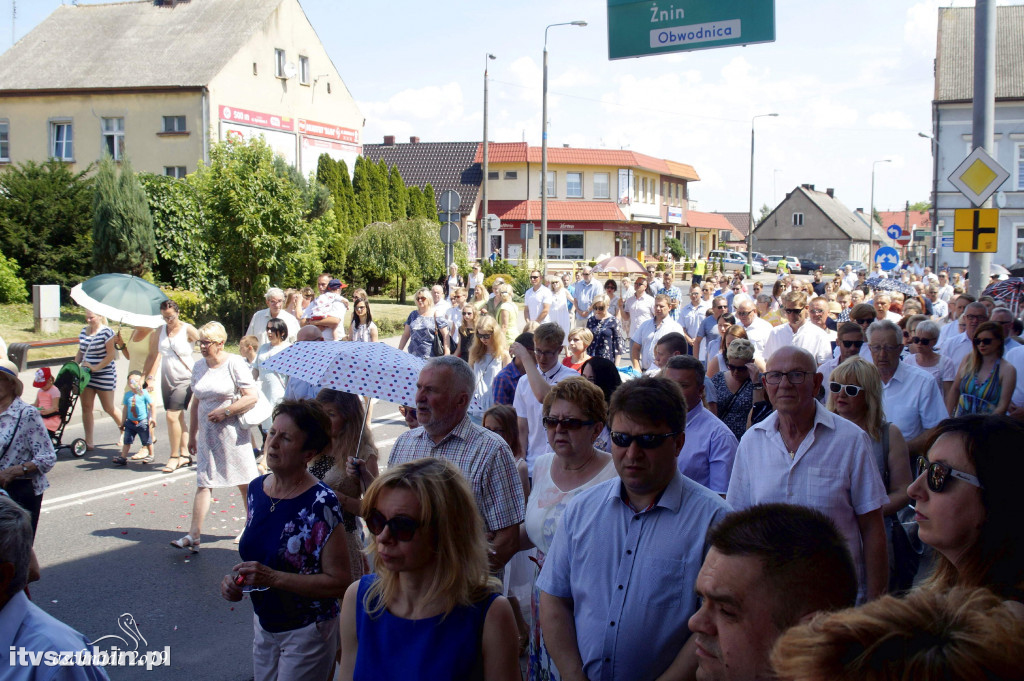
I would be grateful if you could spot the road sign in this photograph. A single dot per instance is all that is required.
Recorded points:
(894, 231)
(975, 230)
(449, 233)
(449, 217)
(887, 257)
(947, 242)
(923, 233)
(526, 231)
(978, 177)
(904, 239)
(450, 201)
(947, 233)
(641, 28)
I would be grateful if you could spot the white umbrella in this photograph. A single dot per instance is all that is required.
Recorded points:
(121, 298)
(371, 369)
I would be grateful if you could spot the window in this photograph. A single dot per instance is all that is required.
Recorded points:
(574, 185)
(279, 63)
(798, 219)
(304, 70)
(565, 245)
(1019, 243)
(1020, 167)
(511, 174)
(62, 141)
(175, 171)
(113, 137)
(551, 183)
(5, 142)
(643, 189)
(601, 188)
(174, 124)
(492, 174)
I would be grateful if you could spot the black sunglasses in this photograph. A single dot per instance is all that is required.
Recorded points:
(940, 473)
(922, 341)
(864, 322)
(402, 527)
(984, 341)
(735, 369)
(645, 441)
(794, 310)
(550, 422)
(851, 390)
(852, 344)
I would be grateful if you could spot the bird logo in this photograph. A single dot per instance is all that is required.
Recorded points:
(126, 623)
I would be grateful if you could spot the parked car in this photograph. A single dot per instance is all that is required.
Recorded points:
(758, 257)
(793, 261)
(773, 262)
(857, 265)
(733, 261)
(807, 266)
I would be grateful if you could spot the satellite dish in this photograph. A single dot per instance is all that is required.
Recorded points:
(289, 70)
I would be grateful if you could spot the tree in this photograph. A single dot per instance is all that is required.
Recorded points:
(12, 287)
(675, 247)
(429, 203)
(415, 205)
(122, 226)
(398, 195)
(765, 212)
(921, 206)
(45, 222)
(379, 252)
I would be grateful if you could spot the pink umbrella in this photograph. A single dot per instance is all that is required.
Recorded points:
(622, 264)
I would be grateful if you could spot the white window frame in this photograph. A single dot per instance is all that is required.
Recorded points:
(798, 219)
(303, 70)
(279, 62)
(68, 145)
(5, 140)
(569, 184)
(178, 172)
(112, 136)
(174, 124)
(606, 194)
(1018, 241)
(552, 184)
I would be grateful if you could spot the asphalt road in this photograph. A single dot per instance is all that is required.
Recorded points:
(103, 547)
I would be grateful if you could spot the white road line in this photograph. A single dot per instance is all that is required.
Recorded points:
(112, 490)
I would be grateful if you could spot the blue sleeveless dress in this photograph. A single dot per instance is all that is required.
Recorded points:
(431, 649)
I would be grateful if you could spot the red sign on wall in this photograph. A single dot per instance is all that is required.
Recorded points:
(256, 118)
(328, 131)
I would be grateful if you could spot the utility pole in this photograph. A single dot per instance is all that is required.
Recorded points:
(983, 120)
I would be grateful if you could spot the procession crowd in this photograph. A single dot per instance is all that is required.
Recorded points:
(629, 479)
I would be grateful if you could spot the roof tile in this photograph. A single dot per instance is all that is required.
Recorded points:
(445, 165)
(520, 152)
(576, 211)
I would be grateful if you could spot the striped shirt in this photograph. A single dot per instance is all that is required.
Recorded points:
(484, 459)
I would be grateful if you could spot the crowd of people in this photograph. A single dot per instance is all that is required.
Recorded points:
(617, 480)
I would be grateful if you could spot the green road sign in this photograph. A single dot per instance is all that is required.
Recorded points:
(638, 29)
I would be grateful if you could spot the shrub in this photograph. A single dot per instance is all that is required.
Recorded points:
(12, 287)
(190, 304)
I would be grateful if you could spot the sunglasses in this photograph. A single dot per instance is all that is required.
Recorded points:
(550, 422)
(420, 299)
(402, 527)
(922, 341)
(794, 310)
(795, 377)
(940, 473)
(484, 336)
(645, 441)
(737, 369)
(852, 344)
(851, 390)
(534, 276)
(983, 341)
(864, 322)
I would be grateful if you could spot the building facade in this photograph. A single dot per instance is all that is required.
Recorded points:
(157, 81)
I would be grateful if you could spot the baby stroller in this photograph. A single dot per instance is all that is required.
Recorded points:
(70, 381)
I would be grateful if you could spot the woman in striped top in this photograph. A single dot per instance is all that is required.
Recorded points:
(96, 352)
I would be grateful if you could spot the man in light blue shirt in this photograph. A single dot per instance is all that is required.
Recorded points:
(585, 291)
(710, 447)
(617, 586)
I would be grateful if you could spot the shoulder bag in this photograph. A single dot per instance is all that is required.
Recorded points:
(436, 345)
(256, 414)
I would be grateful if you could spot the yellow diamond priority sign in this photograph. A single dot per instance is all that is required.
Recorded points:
(975, 230)
(978, 177)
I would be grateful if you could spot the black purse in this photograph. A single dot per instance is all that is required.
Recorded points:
(437, 345)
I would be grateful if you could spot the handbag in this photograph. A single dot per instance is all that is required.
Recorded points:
(256, 414)
(436, 345)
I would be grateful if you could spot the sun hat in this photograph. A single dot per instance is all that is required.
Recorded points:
(42, 376)
(9, 371)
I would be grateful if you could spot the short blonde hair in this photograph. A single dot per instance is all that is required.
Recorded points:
(585, 335)
(249, 342)
(581, 393)
(213, 331)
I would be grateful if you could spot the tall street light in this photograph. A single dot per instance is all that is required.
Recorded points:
(750, 230)
(936, 236)
(483, 227)
(871, 215)
(544, 151)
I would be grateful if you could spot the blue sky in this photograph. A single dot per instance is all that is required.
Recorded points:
(852, 82)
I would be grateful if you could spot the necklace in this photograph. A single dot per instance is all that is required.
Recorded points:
(275, 502)
(581, 466)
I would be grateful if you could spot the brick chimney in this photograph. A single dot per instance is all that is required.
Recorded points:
(389, 140)
(831, 192)
(414, 140)
(808, 187)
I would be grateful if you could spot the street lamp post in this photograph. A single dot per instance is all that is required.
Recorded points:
(871, 214)
(750, 230)
(544, 151)
(481, 221)
(936, 236)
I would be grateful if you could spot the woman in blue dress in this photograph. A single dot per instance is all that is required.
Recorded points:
(97, 353)
(431, 610)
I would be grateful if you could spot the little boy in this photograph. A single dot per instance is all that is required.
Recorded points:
(248, 347)
(47, 399)
(137, 418)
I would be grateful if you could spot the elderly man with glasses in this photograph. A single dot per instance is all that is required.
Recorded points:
(1004, 318)
(798, 332)
(911, 397)
(803, 454)
(274, 310)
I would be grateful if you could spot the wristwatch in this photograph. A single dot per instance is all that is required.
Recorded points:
(759, 386)
(227, 411)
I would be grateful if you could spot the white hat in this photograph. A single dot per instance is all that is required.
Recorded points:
(9, 371)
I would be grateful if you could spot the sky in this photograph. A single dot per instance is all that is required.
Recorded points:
(852, 83)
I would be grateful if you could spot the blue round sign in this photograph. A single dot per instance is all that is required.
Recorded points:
(894, 231)
(887, 257)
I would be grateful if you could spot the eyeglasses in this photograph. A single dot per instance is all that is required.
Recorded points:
(645, 441)
(983, 341)
(851, 390)
(737, 369)
(721, 307)
(794, 310)
(922, 341)
(741, 313)
(939, 474)
(795, 377)
(852, 344)
(402, 527)
(550, 422)
(884, 348)
(547, 353)
(207, 343)
(534, 276)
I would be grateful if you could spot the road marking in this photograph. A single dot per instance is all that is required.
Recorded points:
(111, 490)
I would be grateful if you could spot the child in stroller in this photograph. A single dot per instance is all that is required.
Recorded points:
(69, 383)
(47, 399)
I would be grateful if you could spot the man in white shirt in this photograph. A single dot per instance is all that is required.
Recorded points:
(882, 302)
(538, 299)
(798, 332)
(911, 397)
(929, 277)
(639, 307)
(441, 304)
(653, 281)
(1016, 358)
(849, 279)
(945, 290)
(476, 277)
(274, 310)
(1004, 318)
(757, 329)
(959, 346)
(939, 307)
(542, 370)
(817, 313)
(950, 327)
(647, 334)
(803, 454)
(691, 315)
(584, 292)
